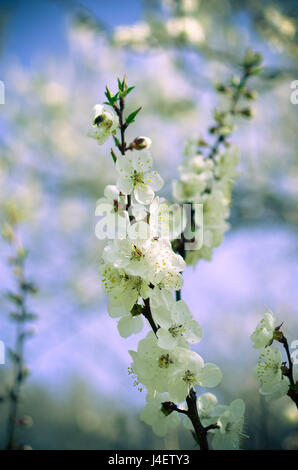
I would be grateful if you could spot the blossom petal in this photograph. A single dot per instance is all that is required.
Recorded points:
(237, 408)
(210, 375)
(124, 165)
(124, 184)
(129, 325)
(116, 310)
(111, 192)
(165, 339)
(142, 161)
(154, 180)
(143, 194)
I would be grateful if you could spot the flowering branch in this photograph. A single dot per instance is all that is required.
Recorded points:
(192, 413)
(140, 271)
(21, 317)
(289, 372)
(276, 378)
(235, 91)
(207, 175)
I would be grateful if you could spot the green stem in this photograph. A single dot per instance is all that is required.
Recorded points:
(221, 138)
(18, 381)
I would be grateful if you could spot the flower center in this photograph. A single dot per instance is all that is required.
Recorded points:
(137, 179)
(164, 361)
(116, 205)
(177, 330)
(136, 253)
(189, 377)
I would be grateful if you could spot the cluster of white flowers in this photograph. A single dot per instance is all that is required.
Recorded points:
(270, 367)
(136, 35)
(141, 35)
(227, 420)
(140, 272)
(185, 28)
(208, 182)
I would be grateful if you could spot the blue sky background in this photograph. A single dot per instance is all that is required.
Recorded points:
(254, 269)
(37, 27)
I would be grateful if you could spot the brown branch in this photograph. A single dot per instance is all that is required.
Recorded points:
(288, 372)
(285, 344)
(200, 431)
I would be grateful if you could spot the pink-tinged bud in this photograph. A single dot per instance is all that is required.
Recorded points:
(26, 421)
(141, 143)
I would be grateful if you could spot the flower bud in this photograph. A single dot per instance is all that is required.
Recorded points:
(250, 94)
(221, 88)
(167, 407)
(235, 81)
(26, 421)
(7, 232)
(141, 143)
(136, 310)
(246, 112)
(252, 59)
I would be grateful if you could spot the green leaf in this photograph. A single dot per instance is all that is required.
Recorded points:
(15, 298)
(111, 99)
(256, 70)
(117, 142)
(120, 84)
(126, 92)
(113, 156)
(132, 116)
(108, 94)
(29, 287)
(129, 90)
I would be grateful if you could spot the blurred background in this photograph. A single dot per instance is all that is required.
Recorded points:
(56, 58)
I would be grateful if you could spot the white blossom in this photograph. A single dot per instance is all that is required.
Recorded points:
(165, 265)
(189, 372)
(268, 369)
(226, 165)
(186, 27)
(230, 422)
(166, 220)
(123, 290)
(263, 334)
(130, 252)
(273, 391)
(137, 177)
(113, 207)
(177, 326)
(130, 324)
(154, 415)
(210, 230)
(104, 123)
(135, 35)
(153, 365)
